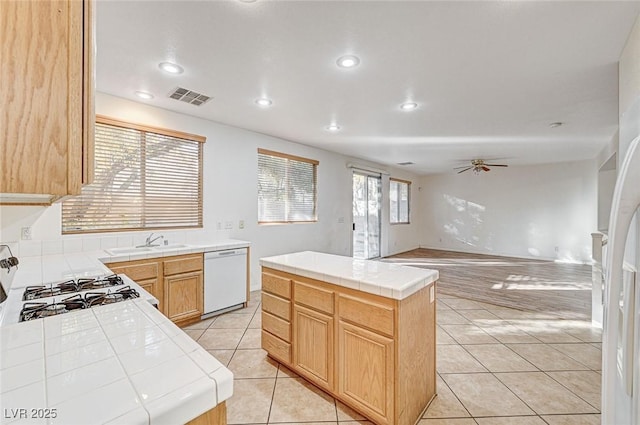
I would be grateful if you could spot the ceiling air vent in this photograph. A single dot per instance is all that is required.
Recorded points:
(189, 96)
(405, 163)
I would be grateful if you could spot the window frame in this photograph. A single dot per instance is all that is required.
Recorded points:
(114, 122)
(315, 164)
(408, 183)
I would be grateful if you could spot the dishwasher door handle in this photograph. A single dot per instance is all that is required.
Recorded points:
(227, 253)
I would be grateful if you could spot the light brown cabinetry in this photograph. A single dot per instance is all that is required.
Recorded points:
(313, 347)
(375, 354)
(177, 283)
(146, 273)
(276, 316)
(365, 369)
(46, 98)
(183, 288)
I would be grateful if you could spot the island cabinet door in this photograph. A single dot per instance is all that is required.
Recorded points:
(313, 353)
(365, 371)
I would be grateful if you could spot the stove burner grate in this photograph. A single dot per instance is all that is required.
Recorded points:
(36, 310)
(99, 298)
(70, 286)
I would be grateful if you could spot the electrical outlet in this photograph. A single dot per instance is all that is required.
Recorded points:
(26, 234)
(557, 249)
(241, 224)
(340, 220)
(228, 225)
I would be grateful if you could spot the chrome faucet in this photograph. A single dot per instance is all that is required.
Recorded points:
(150, 242)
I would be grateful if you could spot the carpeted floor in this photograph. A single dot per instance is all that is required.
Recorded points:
(561, 290)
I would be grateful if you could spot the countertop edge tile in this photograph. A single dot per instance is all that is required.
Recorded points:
(200, 398)
(375, 277)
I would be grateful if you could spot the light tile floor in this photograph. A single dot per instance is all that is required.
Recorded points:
(496, 366)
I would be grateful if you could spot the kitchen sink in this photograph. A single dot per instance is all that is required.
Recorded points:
(138, 250)
(128, 250)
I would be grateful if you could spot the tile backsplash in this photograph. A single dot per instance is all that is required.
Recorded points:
(96, 242)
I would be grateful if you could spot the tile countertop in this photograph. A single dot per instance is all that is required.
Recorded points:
(55, 268)
(121, 363)
(186, 249)
(375, 277)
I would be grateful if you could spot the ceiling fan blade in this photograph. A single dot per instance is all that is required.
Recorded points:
(485, 168)
(466, 169)
(464, 166)
(497, 165)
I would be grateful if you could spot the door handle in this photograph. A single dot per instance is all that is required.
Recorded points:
(354, 227)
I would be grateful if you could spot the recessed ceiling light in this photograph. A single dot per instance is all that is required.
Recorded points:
(171, 68)
(333, 127)
(264, 102)
(409, 106)
(348, 61)
(556, 124)
(144, 95)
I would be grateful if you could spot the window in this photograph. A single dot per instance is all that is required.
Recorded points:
(399, 199)
(286, 188)
(145, 178)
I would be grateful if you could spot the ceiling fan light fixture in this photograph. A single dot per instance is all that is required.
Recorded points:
(556, 124)
(348, 61)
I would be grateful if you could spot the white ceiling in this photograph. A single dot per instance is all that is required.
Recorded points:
(489, 76)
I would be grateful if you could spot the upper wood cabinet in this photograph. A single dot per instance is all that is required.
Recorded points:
(47, 98)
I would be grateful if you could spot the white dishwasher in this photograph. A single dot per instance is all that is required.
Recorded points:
(225, 280)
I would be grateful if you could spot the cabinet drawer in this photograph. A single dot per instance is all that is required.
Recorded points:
(364, 313)
(276, 306)
(276, 347)
(183, 265)
(277, 326)
(276, 285)
(138, 272)
(317, 298)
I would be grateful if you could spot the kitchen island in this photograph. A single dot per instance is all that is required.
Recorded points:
(363, 331)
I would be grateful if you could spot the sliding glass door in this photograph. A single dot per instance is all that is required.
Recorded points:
(367, 189)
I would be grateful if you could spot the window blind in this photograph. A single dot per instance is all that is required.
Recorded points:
(145, 178)
(399, 201)
(286, 188)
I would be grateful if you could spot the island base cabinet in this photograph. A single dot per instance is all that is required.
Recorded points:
(313, 348)
(365, 368)
(215, 416)
(375, 354)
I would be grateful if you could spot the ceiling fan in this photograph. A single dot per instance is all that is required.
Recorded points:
(478, 165)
